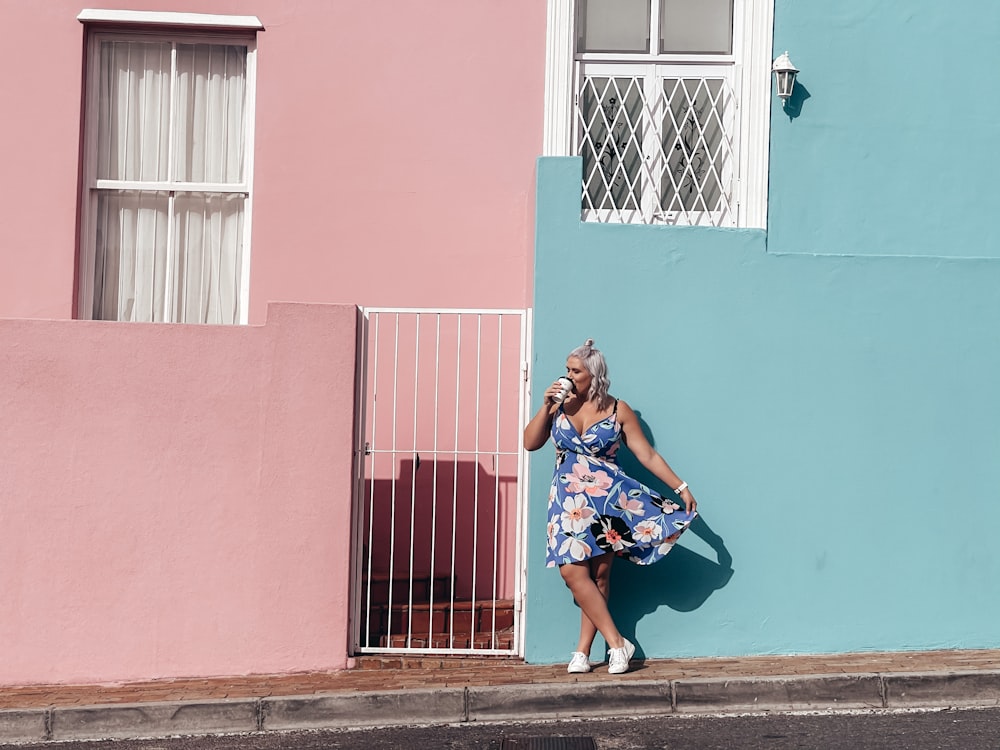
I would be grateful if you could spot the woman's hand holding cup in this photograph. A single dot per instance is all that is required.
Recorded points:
(556, 393)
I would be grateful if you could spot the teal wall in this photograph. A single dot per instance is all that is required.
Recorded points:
(892, 151)
(828, 387)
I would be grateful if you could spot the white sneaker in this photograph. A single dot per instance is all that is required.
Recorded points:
(618, 658)
(579, 663)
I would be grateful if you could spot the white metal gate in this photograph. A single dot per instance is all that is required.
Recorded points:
(439, 510)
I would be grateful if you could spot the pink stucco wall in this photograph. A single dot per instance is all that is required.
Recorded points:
(175, 500)
(394, 156)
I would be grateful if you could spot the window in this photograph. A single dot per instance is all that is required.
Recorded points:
(667, 102)
(167, 174)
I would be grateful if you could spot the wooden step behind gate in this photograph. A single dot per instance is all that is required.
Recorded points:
(439, 507)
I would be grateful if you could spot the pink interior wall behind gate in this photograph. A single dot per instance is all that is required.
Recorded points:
(175, 500)
(394, 151)
(443, 426)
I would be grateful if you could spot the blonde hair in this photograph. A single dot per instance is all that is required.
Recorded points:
(593, 360)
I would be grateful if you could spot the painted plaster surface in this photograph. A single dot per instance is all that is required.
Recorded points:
(827, 387)
(836, 418)
(175, 500)
(888, 150)
(394, 154)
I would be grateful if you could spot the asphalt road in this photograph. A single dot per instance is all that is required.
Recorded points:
(969, 729)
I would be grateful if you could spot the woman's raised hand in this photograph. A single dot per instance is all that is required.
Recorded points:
(536, 432)
(551, 392)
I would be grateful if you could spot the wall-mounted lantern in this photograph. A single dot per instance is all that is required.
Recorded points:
(784, 77)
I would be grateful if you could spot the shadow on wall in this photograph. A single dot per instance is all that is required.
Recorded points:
(448, 524)
(683, 580)
(793, 107)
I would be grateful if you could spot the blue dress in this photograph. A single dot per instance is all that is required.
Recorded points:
(595, 507)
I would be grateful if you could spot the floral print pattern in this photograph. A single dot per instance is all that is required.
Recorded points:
(595, 507)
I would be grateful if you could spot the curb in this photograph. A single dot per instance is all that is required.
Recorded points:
(873, 691)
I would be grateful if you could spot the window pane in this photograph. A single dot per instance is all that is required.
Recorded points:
(208, 238)
(133, 102)
(173, 112)
(130, 264)
(696, 26)
(611, 141)
(697, 148)
(613, 26)
(210, 112)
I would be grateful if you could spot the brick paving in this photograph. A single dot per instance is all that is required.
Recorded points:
(394, 673)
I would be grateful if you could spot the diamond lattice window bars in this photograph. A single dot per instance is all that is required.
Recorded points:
(657, 146)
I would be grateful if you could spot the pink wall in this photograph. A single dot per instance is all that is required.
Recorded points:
(175, 500)
(395, 151)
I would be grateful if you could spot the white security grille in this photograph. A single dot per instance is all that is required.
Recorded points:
(439, 511)
(657, 143)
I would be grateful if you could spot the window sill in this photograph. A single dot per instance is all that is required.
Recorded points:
(155, 18)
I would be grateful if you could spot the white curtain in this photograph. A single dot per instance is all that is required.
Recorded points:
(170, 252)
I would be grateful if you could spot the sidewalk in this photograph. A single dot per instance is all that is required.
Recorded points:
(386, 690)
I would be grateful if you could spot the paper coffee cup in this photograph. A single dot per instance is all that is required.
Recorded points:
(567, 386)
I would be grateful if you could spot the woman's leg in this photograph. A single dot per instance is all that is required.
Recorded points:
(592, 602)
(600, 573)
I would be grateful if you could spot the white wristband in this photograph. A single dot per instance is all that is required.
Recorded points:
(684, 486)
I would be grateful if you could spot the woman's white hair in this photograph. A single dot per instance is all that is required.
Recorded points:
(594, 362)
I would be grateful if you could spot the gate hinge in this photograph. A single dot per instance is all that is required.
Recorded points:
(524, 371)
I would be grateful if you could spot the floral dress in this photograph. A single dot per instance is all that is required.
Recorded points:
(595, 507)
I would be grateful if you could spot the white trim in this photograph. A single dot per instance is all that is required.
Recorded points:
(166, 185)
(697, 59)
(524, 489)
(358, 493)
(250, 135)
(86, 246)
(754, 81)
(558, 123)
(753, 22)
(446, 310)
(97, 15)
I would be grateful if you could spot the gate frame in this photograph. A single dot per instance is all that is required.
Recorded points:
(355, 615)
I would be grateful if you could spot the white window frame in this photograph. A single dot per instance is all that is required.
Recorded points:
(750, 74)
(197, 28)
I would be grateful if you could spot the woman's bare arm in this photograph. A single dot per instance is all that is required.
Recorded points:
(536, 432)
(637, 443)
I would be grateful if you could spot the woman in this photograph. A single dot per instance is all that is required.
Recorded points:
(595, 509)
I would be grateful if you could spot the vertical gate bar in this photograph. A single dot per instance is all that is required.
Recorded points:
(454, 486)
(496, 480)
(434, 477)
(371, 482)
(475, 484)
(413, 473)
(520, 566)
(357, 494)
(392, 495)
